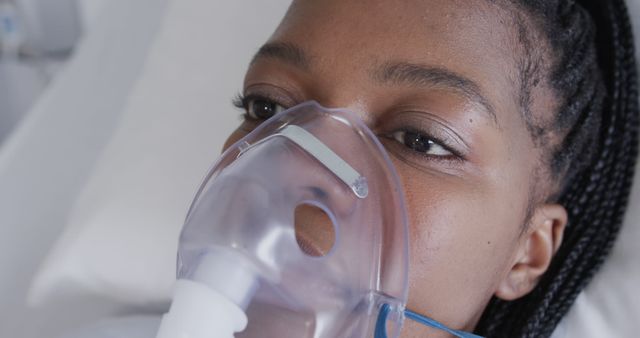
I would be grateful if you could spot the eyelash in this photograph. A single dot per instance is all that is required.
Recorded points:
(433, 139)
(243, 102)
(452, 157)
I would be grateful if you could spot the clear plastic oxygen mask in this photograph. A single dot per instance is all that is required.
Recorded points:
(299, 230)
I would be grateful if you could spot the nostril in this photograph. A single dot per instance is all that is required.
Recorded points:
(319, 193)
(332, 194)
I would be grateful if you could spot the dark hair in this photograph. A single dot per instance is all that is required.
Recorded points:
(594, 76)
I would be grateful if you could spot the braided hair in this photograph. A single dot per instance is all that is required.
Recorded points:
(594, 75)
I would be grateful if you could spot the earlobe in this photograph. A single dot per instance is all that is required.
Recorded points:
(537, 247)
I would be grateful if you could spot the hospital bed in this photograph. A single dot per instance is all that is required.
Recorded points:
(96, 180)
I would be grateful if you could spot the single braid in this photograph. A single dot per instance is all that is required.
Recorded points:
(595, 75)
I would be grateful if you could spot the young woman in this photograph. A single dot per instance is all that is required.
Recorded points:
(513, 127)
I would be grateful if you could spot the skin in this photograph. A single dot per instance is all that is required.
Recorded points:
(479, 226)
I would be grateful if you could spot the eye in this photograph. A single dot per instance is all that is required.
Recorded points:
(259, 108)
(420, 143)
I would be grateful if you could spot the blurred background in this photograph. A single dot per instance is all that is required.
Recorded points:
(36, 38)
(111, 112)
(98, 100)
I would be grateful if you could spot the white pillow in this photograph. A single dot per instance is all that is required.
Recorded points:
(121, 238)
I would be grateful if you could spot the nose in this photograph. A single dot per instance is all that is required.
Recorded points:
(350, 100)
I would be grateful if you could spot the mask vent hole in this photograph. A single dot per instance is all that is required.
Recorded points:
(315, 231)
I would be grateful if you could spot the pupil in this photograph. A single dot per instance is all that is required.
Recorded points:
(264, 109)
(417, 142)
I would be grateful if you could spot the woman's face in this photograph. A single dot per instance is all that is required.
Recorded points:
(438, 81)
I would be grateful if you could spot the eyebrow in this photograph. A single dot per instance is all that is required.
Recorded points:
(418, 75)
(391, 72)
(286, 52)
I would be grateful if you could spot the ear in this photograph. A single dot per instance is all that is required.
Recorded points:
(535, 250)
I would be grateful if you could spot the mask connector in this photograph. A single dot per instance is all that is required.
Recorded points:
(213, 302)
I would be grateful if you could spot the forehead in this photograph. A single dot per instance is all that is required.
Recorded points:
(351, 37)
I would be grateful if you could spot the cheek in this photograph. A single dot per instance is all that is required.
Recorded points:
(462, 237)
(233, 138)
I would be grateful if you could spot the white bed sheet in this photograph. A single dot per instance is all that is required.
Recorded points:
(129, 327)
